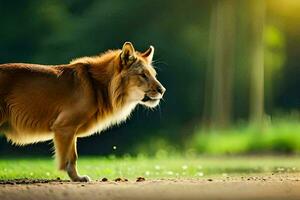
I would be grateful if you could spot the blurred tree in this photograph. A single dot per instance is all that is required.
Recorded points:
(218, 99)
(256, 58)
(285, 17)
(275, 55)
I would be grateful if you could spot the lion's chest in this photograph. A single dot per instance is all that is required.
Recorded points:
(104, 122)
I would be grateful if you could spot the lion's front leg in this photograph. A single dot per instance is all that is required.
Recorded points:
(66, 153)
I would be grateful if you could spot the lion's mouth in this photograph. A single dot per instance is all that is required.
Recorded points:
(147, 98)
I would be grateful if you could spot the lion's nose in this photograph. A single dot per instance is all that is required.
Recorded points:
(160, 89)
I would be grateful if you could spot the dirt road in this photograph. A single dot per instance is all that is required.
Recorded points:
(267, 187)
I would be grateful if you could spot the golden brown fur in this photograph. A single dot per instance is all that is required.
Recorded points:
(64, 102)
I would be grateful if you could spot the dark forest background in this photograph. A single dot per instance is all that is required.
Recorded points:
(223, 62)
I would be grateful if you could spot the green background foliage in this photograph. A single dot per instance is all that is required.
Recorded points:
(54, 32)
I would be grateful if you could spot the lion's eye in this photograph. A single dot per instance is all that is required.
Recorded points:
(144, 76)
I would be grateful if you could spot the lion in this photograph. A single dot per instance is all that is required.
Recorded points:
(69, 101)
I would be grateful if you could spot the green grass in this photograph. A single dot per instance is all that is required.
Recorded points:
(150, 168)
(280, 136)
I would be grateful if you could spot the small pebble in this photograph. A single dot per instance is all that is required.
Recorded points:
(104, 180)
(140, 179)
(118, 179)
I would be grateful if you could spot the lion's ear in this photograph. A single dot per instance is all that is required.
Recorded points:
(148, 55)
(128, 54)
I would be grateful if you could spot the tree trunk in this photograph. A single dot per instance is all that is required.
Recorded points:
(256, 56)
(219, 77)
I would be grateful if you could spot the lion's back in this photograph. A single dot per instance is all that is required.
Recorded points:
(30, 96)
